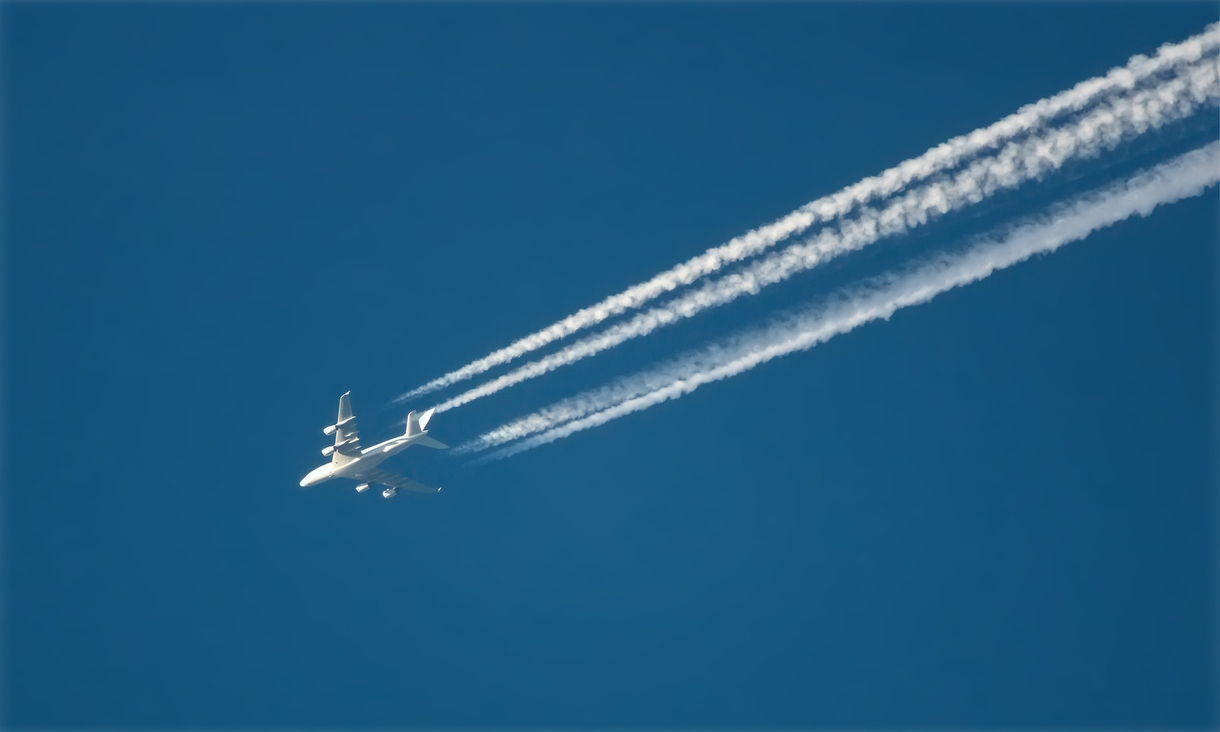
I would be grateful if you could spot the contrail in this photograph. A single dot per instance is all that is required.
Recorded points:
(1183, 177)
(1101, 129)
(943, 157)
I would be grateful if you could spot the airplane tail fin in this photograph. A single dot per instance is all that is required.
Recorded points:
(417, 423)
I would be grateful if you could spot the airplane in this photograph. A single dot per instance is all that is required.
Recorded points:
(350, 460)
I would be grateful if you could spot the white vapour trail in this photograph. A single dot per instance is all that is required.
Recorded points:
(1018, 162)
(1185, 176)
(943, 157)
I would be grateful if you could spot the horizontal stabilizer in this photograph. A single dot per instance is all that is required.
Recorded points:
(429, 442)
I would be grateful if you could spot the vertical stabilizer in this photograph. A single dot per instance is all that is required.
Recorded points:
(417, 424)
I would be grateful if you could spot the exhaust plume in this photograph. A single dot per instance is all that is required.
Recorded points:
(1170, 58)
(1183, 177)
(1018, 162)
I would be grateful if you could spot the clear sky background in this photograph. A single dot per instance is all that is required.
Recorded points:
(994, 510)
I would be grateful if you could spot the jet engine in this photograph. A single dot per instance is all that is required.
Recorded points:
(348, 424)
(391, 491)
(328, 451)
(362, 487)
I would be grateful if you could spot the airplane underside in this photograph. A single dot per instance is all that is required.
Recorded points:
(349, 459)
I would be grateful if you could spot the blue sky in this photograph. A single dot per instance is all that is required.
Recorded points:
(994, 510)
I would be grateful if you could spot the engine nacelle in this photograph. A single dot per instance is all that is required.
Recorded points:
(328, 431)
(362, 487)
(391, 491)
(328, 451)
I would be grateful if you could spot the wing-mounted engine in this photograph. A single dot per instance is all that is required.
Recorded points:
(349, 423)
(347, 436)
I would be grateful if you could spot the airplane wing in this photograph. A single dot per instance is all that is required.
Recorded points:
(395, 481)
(347, 436)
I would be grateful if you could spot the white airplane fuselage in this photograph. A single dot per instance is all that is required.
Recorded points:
(370, 457)
(349, 459)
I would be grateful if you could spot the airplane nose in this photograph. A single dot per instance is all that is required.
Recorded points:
(317, 475)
